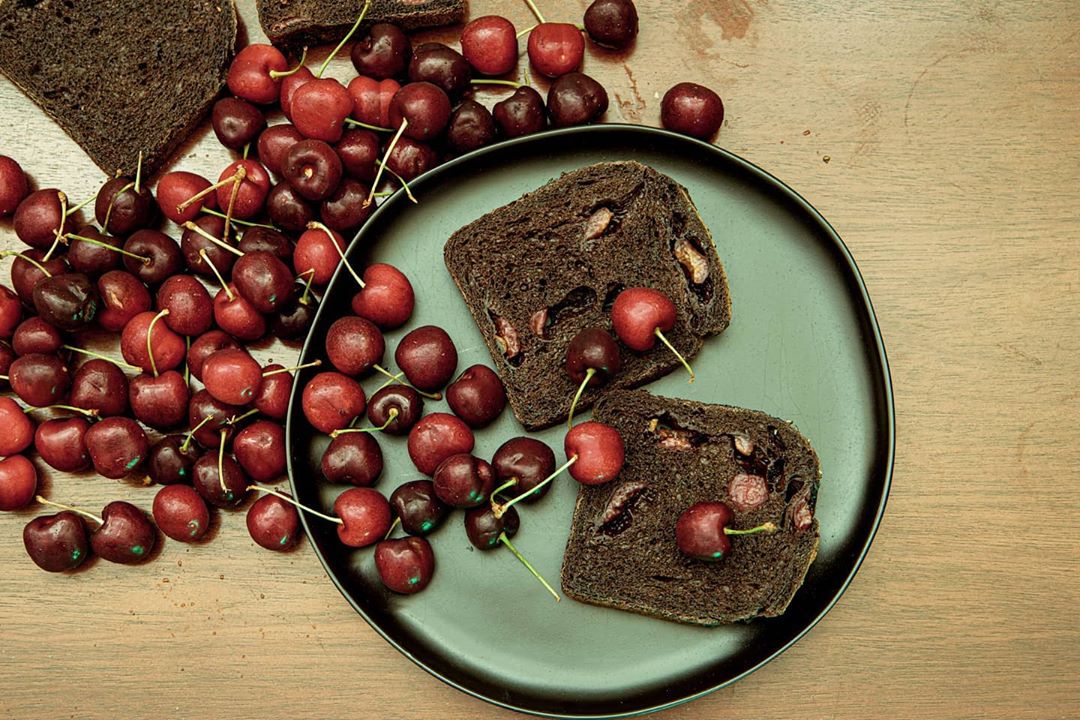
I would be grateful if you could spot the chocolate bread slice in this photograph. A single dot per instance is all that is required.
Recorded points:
(622, 553)
(122, 76)
(307, 22)
(537, 271)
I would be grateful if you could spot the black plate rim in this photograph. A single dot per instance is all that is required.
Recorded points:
(762, 175)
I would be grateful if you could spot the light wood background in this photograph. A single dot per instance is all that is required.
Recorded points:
(942, 141)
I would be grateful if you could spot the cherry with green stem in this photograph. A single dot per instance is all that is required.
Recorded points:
(499, 509)
(701, 531)
(641, 316)
(391, 416)
(348, 36)
(278, 74)
(382, 165)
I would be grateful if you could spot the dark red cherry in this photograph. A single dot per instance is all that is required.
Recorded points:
(251, 192)
(101, 386)
(313, 169)
(274, 143)
(418, 507)
(39, 217)
(638, 313)
(192, 244)
(347, 209)
(61, 443)
(426, 108)
(463, 481)
(294, 320)
(34, 335)
(202, 406)
(176, 188)
(236, 122)
(164, 255)
(206, 345)
(471, 126)
(236, 316)
(354, 345)
(592, 348)
(7, 356)
(181, 513)
(354, 458)
(371, 99)
(18, 427)
(272, 399)
(612, 23)
(69, 301)
(208, 482)
(232, 376)
(484, 530)
(171, 459)
(260, 450)
(427, 356)
(25, 275)
(387, 298)
(411, 158)
(436, 437)
(159, 402)
(576, 99)
(520, 114)
(489, 43)
(382, 52)
(290, 84)
(249, 73)
(273, 523)
(316, 257)
(117, 446)
(166, 347)
(18, 482)
(527, 461)
(10, 311)
(288, 210)
(263, 280)
(57, 543)
(365, 515)
(39, 380)
(96, 255)
(693, 110)
(477, 396)
(331, 401)
(599, 450)
(260, 239)
(127, 535)
(359, 151)
(319, 108)
(556, 48)
(699, 531)
(405, 565)
(14, 185)
(442, 66)
(123, 296)
(191, 311)
(407, 403)
(120, 210)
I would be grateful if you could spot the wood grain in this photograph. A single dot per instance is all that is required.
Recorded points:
(940, 139)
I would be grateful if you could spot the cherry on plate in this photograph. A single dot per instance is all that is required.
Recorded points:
(485, 529)
(354, 345)
(181, 513)
(395, 409)
(599, 450)
(353, 458)
(427, 356)
(331, 401)
(405, 565)
(418, 507)
(477, 396)
(463, 481)
(436, 437)
(365, 515)
(387, 298)
(528, 462)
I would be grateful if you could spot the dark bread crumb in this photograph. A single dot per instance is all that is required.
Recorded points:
(292, 23)
(621, 552)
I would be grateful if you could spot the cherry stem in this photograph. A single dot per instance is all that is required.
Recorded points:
(80, 206)
(138, 174)
(367, 126)
(526, 31)
(220, 243)
(491, 81)
(238, 180)
(305, 297)
(206, 191)
(244, 152)
(101, 243)
(99, 356)
(92, 516)
(92, 412)
(112, 204)
(149, 335)
(500, 510)
(577, 396)
(221, 460)
(510, 546)
(535, 10)
(52, 248)
(191, 433)
(275, 74)
(386, 156)
(291, 501)
(315, 225)
(391, 416)
(28, 259)
(393, 527)
(404, 185)
(348, 35)
(59, 232)
(677, 353)
(240, 418)
(213, 267)
(187, 363)
(764, 527)
(393, 380)
(237, 221)
(509, 483)
(5, 378)
(397, 378)
(276, 371)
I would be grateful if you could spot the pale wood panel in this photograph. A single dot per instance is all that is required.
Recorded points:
(953, 156)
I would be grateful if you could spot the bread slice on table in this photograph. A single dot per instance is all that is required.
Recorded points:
(538, 270)
(622, 553)
(121, 76)
(293, 23)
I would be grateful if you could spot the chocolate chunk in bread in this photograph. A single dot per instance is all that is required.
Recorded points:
(537, 271)
(622, 553)
(122, 76)
(309, 22)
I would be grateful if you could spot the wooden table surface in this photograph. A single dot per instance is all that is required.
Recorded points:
(941, 140)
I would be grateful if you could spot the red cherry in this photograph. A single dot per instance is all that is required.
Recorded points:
(126, 536)
(528, 462)
(203, 406)
(226, 489)
(263, 280)
(365, 515)
(26, 275)
(359, 151)
(18, 428)
(354, 345)
(426, 108)
(117, 446)
(387, 298)
(405, 565)
(165, 256)
(57, 542)
(39, 380)
(249, 74)
(477, 396)
(206, 345)
(599, 450)
(100, 385)
(181, 513)
(34, 335)
(61, 443)
(556, 48)
(638, 313)
(288, 210)
(123, 296)
(353, 458)
(345, 210)
(120, 210)
(371, 99)
(232, 376)
(10, 311)
(251, 195)
(175, 188)
(159, 402)
(411, 158)
(273, 523)
(315, 254)
(699, 531)
(39, 217)
(18, 482)
(93, 252)
(290, 84)
(14, 185)
(331, 401)
(313, 169)
(236, 316)
(274, 143)
(193, 244)
(381, 52)
(260, 450)
(272, 399)
(319, 108)
(191, 311)
(400, 399)
(236, 123)
(463, 481)
(436, 437)
(489, 43)
(428, 357)
(171, 459)
(692, 109)
(168, 348)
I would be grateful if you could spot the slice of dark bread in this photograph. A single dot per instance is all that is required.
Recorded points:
(292, 23)
(622, 553)
(552, 262)
(121, 76)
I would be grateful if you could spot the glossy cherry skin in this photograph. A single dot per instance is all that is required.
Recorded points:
(249, 74)
(61, 443)
(170, 461)
(463, 481)
(484, 529)
(7, 356)
(14, 185)
(288, 210)
(576, 99)
(489, 43)
(57, 543)
(232, 376)
(192, 243)
(165, 256)
(331, 401)
(371, 99)
(69, 301)
(206, 345)
(181, 513)
(260, 450)
(359, 151)
(418, 507)
(117, 446)
(592, 348)
(693, 110)
(125, 209)
(294, 320)
(100, 385)
(366, 516)
(600, 452)
(387, 298)
(274, 144)
(260, 239)
(127, 537)
(203, 405)
(159, 402)
(123, 296)
(207, 482)
(18, 427)
(39, 217)
(354, 345)
(427, 356)
(290, 84)
(237, 316)
(441, 65)
(35, 335)
(405, 565)
(408, 403)
(638, 313)
(353, 458)
(471, 126)
(426, 108)
(39, 380)
(699, 531)
(313, 169)
(520, 114)
(319, 108)
(382, 52)
(18, 482)
(236, 122)
(168, 348)
(191, 311)
(436, 437)
(272, 400)
(477, 396)
(612, 23)
(315, 254)
(556, 48)
(10, 311)
(26, 275)
(526, 460)
(411, 158)
(252, 192)
(347, 209)
(90, 259)
(263, 280)
(273, 523)
(177, 187)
